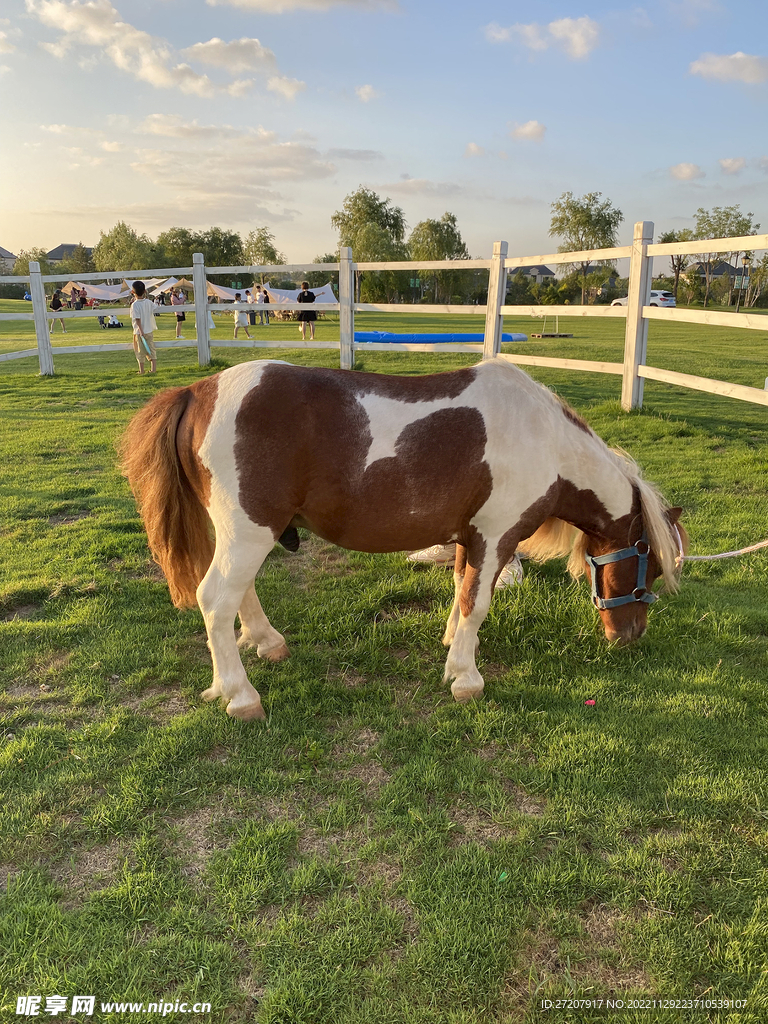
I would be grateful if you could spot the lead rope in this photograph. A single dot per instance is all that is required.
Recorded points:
(712, 558)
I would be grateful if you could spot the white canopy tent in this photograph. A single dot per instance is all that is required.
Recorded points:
(322, 295)
(172, 282)
(102, 292)
(277, 296)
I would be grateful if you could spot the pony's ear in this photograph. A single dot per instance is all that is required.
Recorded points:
(673, 515)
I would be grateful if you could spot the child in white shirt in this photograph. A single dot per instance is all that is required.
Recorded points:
(143, 323)
(241, 318)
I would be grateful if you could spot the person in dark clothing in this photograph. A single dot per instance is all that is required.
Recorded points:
(306, 316)
(56, 305)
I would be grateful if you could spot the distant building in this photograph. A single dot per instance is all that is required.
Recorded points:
(537, 274)
(7, 259)
(64, 251)
(718, 268)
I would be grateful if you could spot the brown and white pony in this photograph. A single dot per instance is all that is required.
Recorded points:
(482, 456)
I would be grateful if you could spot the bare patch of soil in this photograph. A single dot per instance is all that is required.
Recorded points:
(21, 611)
(475, 826)
(91, 870)
(158, 704)
(65, 518)
(196, 839)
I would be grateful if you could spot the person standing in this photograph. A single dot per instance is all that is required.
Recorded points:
(251, 312)
(306, 316)
(259, 300)
(265, 300)
(56, 305)
(144, 327)
(241, 318)
(178, 299)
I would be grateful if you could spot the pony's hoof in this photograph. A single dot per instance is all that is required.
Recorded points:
(211, 693)
(248, 712)
(463, 692)
(276, 654)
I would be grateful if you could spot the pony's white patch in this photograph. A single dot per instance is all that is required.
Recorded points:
(388, 418)
(217, 452)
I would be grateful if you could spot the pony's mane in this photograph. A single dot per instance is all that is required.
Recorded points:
(556, 538)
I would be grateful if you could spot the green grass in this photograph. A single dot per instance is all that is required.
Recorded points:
(376, 853)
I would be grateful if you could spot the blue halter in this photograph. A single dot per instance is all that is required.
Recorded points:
(640, 593)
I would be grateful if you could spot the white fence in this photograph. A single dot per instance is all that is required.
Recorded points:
(637, 312)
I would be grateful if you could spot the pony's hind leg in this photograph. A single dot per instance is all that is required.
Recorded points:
(221, 592)
(257, 631)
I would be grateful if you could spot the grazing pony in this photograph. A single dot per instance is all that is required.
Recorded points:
(483, 456)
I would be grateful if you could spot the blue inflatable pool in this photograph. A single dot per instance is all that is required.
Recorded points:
(429, 339)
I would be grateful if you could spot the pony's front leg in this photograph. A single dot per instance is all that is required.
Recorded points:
(257, 631)
(459, 568)
(474, 602)
(219, 595)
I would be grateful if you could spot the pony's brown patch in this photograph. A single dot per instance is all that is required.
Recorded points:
(302, 439)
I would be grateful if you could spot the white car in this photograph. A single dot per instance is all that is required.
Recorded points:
(658, 298)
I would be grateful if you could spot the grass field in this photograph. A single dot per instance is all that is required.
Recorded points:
(375, 853)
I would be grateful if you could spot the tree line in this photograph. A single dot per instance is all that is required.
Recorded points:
(376, 231)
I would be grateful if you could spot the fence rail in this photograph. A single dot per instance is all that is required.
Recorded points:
(637, 312)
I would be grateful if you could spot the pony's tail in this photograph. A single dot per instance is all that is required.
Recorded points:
(177, 524)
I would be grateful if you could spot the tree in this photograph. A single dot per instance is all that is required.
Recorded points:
(374, 229)
(318, 278)
(722, 222)
(259, 250)
(177, 245)
(27, 256)
(366, 207)
(122, 248)
(80, 261)
(678, 263)
(439, 240)
(585, 223)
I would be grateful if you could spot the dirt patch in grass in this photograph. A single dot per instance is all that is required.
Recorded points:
(592, 963)
(195, 838)
(7, 872)
(158, 704)
(65, 518)
(525, 803)
(475, 826)
(21, 611)
(91, 870)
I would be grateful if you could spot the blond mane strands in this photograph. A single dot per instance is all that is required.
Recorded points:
(177, 525)
(657, 525)
(553, 538)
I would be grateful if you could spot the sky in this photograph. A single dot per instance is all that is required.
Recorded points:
(251, 113)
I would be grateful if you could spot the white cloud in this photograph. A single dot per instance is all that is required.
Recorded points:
(732, 165)
(4, 69)
(5, 45)
(287, 87)
(285, 6)
(97, 24)
(366, 93)
(197, 159)
(576, 36)
(237, 56)
(690, 12)
(422, 186)
(686, 172)
(473, 149)
(112, 147)
(738, 67)
(533, 130)
(355, 154)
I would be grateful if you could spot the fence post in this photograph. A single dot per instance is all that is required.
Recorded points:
(636, 336)
(201, 309)
(346, 309)
(497, 289)
(42, 331)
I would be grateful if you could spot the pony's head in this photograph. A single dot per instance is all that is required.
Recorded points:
(621, 567)
(622, 577)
